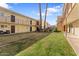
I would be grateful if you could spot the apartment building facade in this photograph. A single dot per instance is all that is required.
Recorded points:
(70, 19)
(15, 22)
(18, 23)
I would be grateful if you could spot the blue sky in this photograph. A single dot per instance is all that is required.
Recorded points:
(32, 10)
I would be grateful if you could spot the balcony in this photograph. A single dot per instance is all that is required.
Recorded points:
(7, 19)
(22, 21)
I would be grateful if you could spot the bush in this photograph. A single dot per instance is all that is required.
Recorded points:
(56, 30)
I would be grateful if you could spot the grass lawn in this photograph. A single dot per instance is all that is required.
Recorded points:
(54, 44)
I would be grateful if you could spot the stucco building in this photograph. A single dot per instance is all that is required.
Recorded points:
(70, 21)
(59, 23)
(15, 22)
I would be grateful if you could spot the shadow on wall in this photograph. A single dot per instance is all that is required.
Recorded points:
(15, 47)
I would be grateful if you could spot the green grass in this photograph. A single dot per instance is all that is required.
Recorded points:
(54, 44)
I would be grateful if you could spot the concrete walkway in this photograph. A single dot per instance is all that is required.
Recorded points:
(74, 42)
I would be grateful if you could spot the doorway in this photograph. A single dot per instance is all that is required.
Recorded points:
(12, 29)
(30, 28)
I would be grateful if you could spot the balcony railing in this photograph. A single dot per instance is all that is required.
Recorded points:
(7, 19)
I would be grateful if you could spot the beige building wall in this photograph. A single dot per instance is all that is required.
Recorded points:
(71, 17)
(74, 14)
(21, 23)
(34, 27)
(21, 28)
(60, 23)
(59, 27)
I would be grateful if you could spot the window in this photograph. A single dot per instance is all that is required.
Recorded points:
(1, 14)
(2, 26)
(12, 18)
(5, 25)
(31, 22)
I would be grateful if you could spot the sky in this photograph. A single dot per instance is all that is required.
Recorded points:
(32, 10)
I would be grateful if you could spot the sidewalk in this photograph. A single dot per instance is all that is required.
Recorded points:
(74, 42)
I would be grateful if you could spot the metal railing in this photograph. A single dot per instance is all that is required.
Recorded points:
(7, 19)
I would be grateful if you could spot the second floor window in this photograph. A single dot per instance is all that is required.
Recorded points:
(31, 22)
(1, 14)
(12, 18)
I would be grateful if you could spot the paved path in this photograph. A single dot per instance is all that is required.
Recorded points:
(74, 42)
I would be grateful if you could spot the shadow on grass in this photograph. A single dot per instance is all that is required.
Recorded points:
(15, 47)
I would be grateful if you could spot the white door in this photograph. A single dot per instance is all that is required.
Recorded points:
(77, 31)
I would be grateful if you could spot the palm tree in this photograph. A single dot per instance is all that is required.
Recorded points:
(45, 16)
(40, 16)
